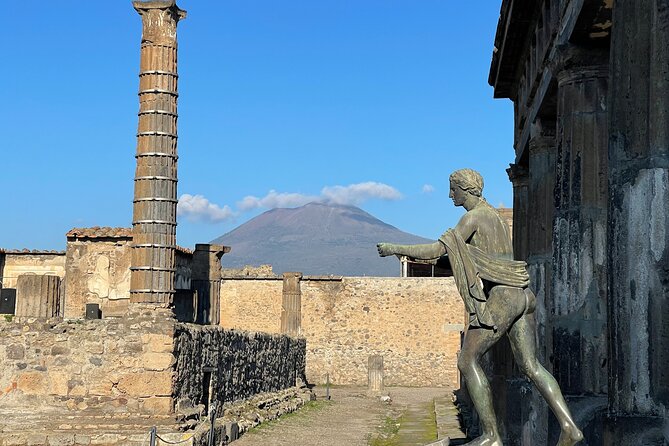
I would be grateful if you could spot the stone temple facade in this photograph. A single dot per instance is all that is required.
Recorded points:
(590, 87)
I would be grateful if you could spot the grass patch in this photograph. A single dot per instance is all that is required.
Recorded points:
(431, 432)
(307, 409)
(8, 317)
(386, 435)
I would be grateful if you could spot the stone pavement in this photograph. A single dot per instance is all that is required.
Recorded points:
(351, 418)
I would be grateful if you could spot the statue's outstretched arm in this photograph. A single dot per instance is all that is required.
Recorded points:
(420, 252)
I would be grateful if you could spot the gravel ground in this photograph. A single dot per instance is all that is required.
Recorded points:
(348, 419)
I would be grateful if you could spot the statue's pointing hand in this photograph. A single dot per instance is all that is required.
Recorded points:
(385, 249)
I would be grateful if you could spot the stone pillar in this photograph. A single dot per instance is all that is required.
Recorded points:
(206, 282)
(638, 231)
(155, 199)
(38, 296)
(579, 295)
(519, 178)
(541, 170)
(291, 305)
(375, 374)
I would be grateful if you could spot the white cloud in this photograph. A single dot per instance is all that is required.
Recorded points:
(198, 208)
(355, 194)
(428, 188)
(275, 199)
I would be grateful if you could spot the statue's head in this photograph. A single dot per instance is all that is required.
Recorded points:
(465, 183)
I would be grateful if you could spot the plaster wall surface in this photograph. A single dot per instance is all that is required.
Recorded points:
(97, 272)
(414, 323)
(38, 264)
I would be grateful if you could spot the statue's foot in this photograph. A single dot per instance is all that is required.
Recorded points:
(485, 440)
(570, 435)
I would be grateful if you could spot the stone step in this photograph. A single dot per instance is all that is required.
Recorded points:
(417, 425)
(448, 420)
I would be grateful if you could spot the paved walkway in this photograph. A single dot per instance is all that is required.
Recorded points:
(351, 418)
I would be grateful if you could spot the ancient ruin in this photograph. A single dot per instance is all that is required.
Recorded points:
(155, 204)
(590, 185)
(98, 344)
(124, 336)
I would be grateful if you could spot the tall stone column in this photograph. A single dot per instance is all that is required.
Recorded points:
(542, 151)
(541, 171)
(579, 295)
(498, 362)
(291, 305)
(155, 200)
(638, 230)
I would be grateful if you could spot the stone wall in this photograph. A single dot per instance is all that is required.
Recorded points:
(98, 271)
(38, 263)
(108, 381)
(223, 366)
(414, 323)
(111, 366)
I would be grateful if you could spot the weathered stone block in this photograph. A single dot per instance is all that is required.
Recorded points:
(82, 439)
(37, 440)
(14, 439)
(32, 383)
(157, 361)
(157, 405)
(15, 351)
(76, 387)
(106, 439)
(145, 384)
(102, 385)
(61, 439)
(157, 343)
(58, 383)
(59, 350)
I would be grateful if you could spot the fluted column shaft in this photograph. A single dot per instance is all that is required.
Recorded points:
(155, 199)
(291, 306)
(578, 294)
(638, 229)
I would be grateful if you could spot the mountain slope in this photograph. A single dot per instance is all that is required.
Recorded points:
(316, 239)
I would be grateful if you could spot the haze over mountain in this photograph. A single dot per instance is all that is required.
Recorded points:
(316, 239)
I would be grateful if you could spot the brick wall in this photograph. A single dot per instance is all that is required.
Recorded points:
(414, 323)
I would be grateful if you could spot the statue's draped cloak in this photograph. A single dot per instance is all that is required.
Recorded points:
(470, 264)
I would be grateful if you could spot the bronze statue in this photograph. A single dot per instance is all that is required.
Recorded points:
(494, 288)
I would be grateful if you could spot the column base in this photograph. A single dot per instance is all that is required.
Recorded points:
(635, 431)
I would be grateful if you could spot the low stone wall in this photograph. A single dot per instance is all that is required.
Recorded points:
(223, 366)
(108, 381)
(110, 366)
(414, 323)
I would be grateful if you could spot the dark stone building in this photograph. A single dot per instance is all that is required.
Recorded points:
(589, 80)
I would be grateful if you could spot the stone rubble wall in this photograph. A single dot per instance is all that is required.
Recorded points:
(110, 366)
(414, 323)
(241, 364)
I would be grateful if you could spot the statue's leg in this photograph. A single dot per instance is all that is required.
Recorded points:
(505, 306)
(521, 335)
(476, 343)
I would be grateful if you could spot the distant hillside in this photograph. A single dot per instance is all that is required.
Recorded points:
(316, 239)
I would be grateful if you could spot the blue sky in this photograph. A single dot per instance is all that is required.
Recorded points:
(367, 102)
